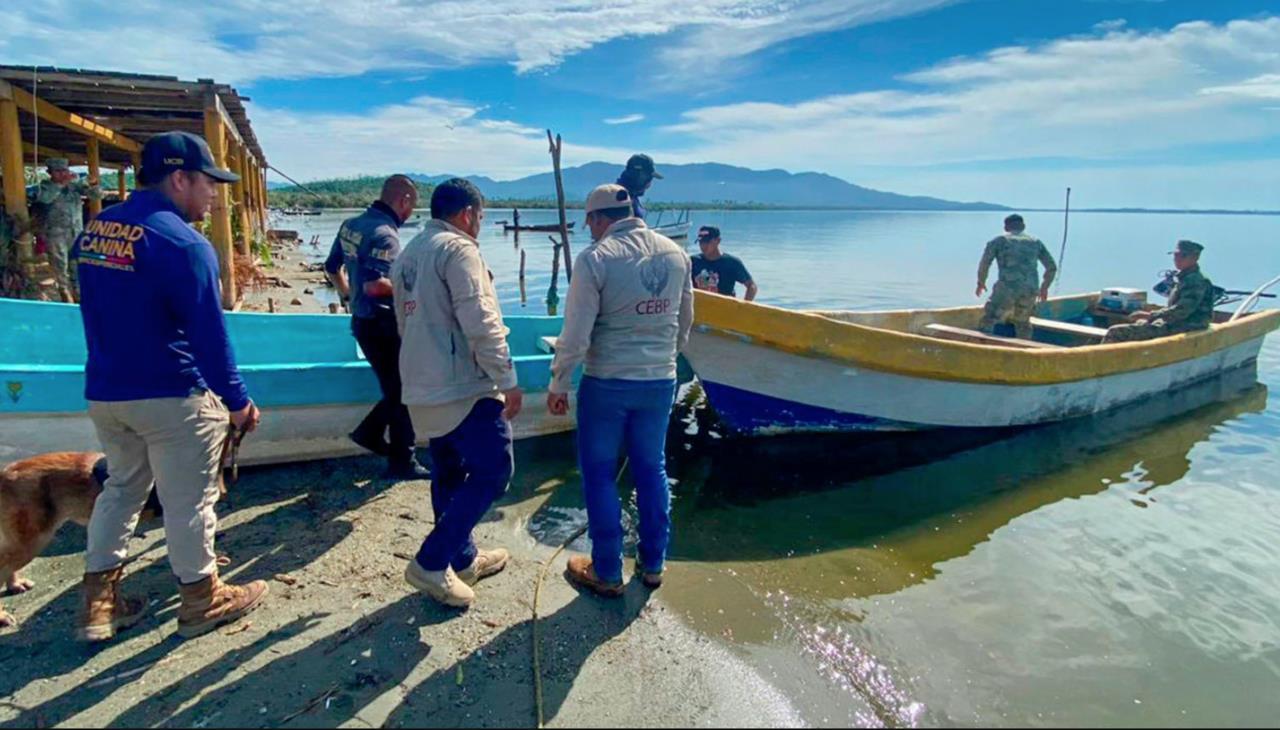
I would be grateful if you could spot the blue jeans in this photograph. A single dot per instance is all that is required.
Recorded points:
(472, 468)
(611, 412)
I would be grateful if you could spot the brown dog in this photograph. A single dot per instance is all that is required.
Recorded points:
(40, 495)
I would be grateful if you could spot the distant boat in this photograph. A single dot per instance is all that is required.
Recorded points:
(675, 230)
(303, 370)
(767, 370)
(543, 228)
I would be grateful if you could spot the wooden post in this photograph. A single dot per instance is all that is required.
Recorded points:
(137, 170)
(553, 295)
(524, 297)
(15, 186)
(121, 188)
(239, 191)
(262, 188)
(215, 135)
(564, 225)
(95, 173)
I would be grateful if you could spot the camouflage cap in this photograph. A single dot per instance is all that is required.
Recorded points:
(55, 164)
(1188, 248)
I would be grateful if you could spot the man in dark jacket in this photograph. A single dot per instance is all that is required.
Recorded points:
(637, 178)
(366, 246)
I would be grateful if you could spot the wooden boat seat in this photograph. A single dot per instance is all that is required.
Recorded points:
(959, 334)
(547, 345)
(1067, 328)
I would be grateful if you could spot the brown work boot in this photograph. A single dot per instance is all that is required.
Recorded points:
(582, 573)
(652, 581)
(211, 603)
(487, 563)
(105, 611)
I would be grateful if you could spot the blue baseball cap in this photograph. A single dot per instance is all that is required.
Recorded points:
(173, 151)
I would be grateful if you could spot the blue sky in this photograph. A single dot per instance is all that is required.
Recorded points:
(1131, 102)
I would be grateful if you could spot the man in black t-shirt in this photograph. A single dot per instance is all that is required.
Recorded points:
(718, 272)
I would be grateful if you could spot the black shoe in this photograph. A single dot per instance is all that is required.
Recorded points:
(407, 471)
(375, 444)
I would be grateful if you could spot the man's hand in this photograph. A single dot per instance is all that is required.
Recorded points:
(1044, 294)
(558, 404)
(246, 419)
(515, 401)
(982, 289)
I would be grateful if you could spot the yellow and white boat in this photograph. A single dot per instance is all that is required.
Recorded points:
(768, 370)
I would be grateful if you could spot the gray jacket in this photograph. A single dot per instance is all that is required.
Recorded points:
(629, 309)
(453, 342)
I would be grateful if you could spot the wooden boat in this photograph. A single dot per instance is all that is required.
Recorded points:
(543, 228)
(767, 370)
(303, 370)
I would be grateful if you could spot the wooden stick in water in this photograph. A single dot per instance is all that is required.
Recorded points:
(556, 145)
(553, 296)
(524, 297)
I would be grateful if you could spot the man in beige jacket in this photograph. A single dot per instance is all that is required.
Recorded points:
(628, 314)
(460, 386)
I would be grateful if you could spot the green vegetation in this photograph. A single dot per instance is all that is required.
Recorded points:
(358, 192)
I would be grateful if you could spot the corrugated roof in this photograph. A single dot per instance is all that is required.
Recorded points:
(135, 105)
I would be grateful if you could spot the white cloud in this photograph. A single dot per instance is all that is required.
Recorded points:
(425, 134)
(1120, 93)
(629, 119)
(237, 41)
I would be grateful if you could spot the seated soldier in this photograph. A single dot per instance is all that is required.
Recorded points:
(1190, 303)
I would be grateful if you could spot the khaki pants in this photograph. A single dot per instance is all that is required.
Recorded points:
(177, 444)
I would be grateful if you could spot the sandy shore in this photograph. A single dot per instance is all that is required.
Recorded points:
(291, 284)
(343, 641)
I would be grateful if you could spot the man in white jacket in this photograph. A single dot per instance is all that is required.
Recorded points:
(460, 386)
(628, 314)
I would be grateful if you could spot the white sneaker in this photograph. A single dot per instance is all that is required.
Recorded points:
(441, 585)
(486, 564)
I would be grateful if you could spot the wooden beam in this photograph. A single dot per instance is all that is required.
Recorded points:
(63, 118)
(95, 174)
(74, 158)
(213, 100)
(15, 185)
(215, 135)
(239, 192)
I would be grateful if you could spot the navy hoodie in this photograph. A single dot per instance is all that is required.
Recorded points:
(150, 298)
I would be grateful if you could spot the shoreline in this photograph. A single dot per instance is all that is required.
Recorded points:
(289, 279)
(343, 640)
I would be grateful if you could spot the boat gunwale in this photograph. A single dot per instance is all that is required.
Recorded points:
(813, 334)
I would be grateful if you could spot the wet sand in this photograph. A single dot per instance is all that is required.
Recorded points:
(289, 279)
(343, 640)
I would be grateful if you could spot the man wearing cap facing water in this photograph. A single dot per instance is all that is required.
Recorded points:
(160, 380)
(1015, 295)
(1190, 303)
(627, 316)
(636, 178)
(718, 272)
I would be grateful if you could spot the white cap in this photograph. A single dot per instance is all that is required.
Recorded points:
(608, 196)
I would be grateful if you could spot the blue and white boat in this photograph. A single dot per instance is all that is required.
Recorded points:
(304, 371)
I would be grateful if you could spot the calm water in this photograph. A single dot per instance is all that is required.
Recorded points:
(1119, 570)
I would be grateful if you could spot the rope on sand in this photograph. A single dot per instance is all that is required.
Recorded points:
(537, 592)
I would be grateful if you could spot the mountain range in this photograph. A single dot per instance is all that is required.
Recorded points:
(709, 184)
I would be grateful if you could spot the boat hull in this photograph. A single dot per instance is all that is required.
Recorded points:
(286, 434)
(766, 370)
(786, 393)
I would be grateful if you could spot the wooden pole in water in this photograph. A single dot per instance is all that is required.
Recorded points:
(1062, 253)
(556, 145)
(524, 297)
(553, 296)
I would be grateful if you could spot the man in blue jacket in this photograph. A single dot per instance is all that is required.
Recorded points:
(359, 261)
(162, 386)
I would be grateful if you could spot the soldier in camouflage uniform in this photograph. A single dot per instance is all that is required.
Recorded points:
(1015, 295)
(1190, 303)
(64, 218)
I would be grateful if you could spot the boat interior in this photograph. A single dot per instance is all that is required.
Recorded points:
(1063, 322)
